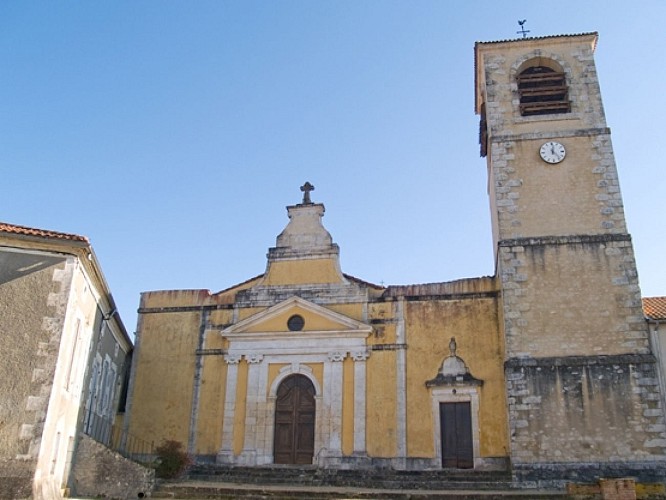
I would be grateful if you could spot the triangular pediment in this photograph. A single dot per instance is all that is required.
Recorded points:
(317, 320)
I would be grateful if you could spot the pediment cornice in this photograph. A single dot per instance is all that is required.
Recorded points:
(340, 324)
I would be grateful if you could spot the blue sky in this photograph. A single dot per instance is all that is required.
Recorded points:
(174, 133)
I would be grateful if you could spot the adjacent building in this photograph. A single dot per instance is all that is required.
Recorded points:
(655, 314)
(65, 355)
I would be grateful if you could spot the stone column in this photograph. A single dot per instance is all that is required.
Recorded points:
(226, 453)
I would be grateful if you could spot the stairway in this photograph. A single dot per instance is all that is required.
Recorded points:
(291, 482)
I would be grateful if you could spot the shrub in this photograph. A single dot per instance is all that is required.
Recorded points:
(172, 460)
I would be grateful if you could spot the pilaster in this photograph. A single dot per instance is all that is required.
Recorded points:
(226, 453)
(255, 418)
(333, 385)
(359, 358)
(401, 383)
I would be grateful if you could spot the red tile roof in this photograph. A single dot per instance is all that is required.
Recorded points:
(39, 233)
(654, 307)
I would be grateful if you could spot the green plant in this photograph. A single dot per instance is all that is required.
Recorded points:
(172, 460)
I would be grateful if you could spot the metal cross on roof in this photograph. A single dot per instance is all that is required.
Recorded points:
(306, 188)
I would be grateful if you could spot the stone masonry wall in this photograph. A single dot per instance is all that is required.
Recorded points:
(16, 478)
(582, 384)
(571, 296)
(581, 195)
(585, 409)
(501, 63)
(101, 472)
(31, 319)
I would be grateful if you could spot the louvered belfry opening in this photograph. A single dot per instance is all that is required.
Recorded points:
(543, 91)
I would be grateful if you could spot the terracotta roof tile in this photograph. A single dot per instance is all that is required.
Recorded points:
(362, 282)
(654, 307)
(545, 37)
(39, 233)
(239, 284)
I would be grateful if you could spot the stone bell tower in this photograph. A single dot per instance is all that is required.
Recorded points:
(581, 381)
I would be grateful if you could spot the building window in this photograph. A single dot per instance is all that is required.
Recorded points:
(103, 404)
(93, 392)
(543, 91)
(72, 357)
(295, 323)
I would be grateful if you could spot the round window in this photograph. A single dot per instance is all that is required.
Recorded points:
(295, 323)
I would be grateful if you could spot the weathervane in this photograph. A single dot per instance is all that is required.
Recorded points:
(522, 31)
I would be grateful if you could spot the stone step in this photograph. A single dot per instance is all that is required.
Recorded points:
(295, 482)
(374, 478)
(284, 482)
(385, 484)
(192, 489)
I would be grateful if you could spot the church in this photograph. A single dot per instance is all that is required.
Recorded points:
(545, 369)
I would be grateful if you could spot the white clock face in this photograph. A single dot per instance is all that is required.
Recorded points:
(552, 152)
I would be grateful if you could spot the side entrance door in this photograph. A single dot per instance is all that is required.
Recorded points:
(294, 421)
(455, 420)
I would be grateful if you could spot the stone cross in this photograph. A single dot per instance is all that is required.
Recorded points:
(306, 188)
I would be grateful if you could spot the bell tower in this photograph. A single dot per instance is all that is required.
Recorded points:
(576, 343)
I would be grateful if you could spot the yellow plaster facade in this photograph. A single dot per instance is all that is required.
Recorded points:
(209, 366)
(313, 271)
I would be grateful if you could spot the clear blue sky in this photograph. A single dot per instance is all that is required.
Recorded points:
(174, 133)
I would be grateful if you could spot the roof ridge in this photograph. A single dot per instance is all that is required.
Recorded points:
(363, 282)
(544, 37)
(6, 227)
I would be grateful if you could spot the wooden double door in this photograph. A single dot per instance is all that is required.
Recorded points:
(455, 420)
(294, 421)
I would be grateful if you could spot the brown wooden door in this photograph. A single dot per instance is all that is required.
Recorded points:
(294, 421)
(456, 431)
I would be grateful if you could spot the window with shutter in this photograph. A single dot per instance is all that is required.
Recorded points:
(543, 91)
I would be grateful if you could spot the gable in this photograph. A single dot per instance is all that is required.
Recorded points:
(317, 320)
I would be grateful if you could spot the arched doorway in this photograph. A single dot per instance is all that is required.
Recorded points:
(294, 421)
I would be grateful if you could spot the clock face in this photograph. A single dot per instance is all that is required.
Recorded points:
(552, 152)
